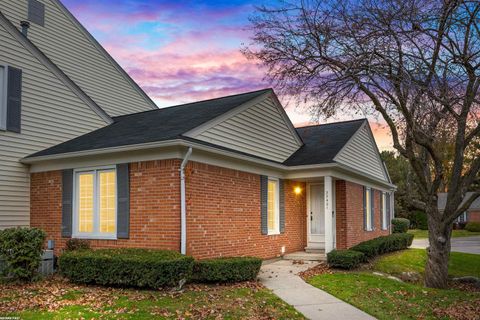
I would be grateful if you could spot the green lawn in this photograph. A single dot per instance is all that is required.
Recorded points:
(54, 299)
(389, 299)
(423, 234)
(461, 264)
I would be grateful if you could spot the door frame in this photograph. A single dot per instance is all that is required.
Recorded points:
(320, 244)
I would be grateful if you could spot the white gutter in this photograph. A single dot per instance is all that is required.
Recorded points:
(183, 204)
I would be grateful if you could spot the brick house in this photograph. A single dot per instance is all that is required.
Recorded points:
(472, 214)
(87, 154)
(223, 177)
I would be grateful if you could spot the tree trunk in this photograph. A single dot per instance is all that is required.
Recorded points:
(438, 253)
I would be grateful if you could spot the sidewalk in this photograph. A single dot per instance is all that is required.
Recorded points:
(281, 277)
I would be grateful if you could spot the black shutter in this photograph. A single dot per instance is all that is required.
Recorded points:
(264, 204)
(365, 208)
(67, 202)
(372, 208)
(36, 12)
(123, 202)
(14, 99)
(281, 191)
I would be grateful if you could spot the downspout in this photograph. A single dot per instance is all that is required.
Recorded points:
(183, 204)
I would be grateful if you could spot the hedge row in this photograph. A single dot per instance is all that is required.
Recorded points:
(400, 225)
(473, 226)
(151, 268)
(349, 259)
(126, 267)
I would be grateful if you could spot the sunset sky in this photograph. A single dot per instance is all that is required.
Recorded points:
(182, 51)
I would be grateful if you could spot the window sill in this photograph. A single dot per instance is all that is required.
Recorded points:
(86, 237)
(276, 233)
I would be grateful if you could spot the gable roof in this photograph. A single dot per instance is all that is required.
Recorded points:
(323, 142)
(153, 126)
(37, 53)
(442, 201)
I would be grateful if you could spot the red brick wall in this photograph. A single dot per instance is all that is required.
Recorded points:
(223, 211)
(474, 216)
(154, 206)
(223, 215)
(349, 219)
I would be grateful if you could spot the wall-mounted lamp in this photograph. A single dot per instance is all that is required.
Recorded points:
(297, 190)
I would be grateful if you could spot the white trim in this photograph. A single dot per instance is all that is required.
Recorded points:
(3, 99)
(276, 231)
(227, 115)
(384, 211)
(368, 208)
(43, 59)
(95, 234)
(183, 204)
(366, 125)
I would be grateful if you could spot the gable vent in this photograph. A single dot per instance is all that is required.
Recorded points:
(36, 12)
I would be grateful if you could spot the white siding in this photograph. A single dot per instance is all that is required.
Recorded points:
(260, 130)
(361, 153)
(51, 114)
(76, 55)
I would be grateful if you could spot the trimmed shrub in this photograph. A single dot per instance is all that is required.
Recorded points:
(126, 267)
(233, 269)
(400, 225)
(21, 252)
(385, 244)
(345, 259)
(473, 227)
(77, 244)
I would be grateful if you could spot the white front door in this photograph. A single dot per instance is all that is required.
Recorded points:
(316, 217)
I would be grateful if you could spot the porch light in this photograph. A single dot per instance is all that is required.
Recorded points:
(297, 190)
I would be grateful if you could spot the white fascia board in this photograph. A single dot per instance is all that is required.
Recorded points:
(223, 117)
(206, 154)
(43, 59)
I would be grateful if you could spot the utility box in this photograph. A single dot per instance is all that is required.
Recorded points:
(47, 263)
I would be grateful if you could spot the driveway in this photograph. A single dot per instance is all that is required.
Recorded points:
(467, 244)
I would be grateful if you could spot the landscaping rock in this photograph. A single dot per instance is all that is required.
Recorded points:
(394, 278)
(470, 280)
(410, 276)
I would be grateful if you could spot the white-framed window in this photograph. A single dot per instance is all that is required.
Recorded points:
(95, 203)
(368, 209)
(3, 97)
(273, 206)
(384, 211)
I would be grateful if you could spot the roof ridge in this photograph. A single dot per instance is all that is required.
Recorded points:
(331, 123)
(193, 102)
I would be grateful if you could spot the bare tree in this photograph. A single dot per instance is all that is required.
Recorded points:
(416, 63)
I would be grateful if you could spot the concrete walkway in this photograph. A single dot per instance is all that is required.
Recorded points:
(466, 244)
(281, 277)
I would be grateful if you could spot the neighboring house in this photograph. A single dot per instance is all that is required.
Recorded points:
(56, 83)
(223, 177)
(86, 154)
(472, 214)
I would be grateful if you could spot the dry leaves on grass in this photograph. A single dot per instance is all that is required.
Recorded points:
(321, 268)
(55, 293)
(460, 311)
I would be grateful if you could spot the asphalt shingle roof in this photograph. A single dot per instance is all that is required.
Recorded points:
(323, 142)
(152, 126)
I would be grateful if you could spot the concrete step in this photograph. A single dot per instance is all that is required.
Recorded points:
(302, 255)
(314, 250)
